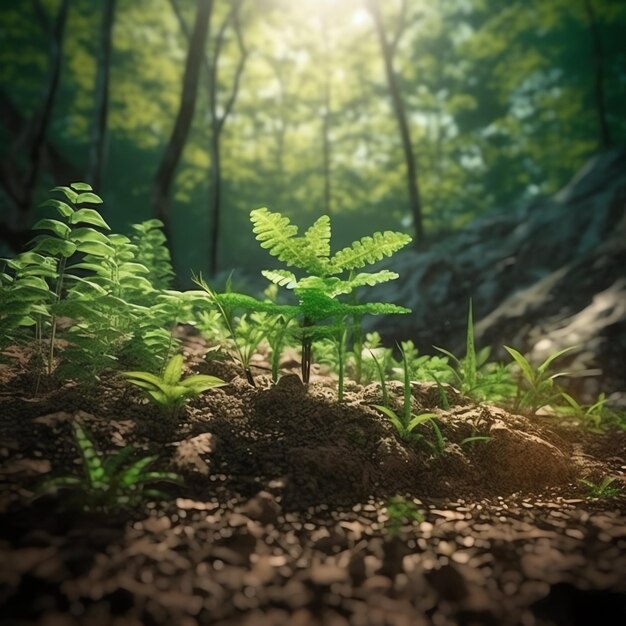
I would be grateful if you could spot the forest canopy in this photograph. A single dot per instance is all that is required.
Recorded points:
(415, 115)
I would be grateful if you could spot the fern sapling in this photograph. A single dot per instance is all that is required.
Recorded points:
(327, 276)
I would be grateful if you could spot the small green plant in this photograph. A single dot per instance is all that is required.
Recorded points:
(108, 483)
(475, 375)
(605, 489)
(152, 253)
(536, 386)
(407, 422)
(170, 391)
(401, 512)
(593, 416)
(319, 290)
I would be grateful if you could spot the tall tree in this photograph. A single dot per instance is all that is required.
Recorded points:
(178, 138)
(97, 152)
(598, 65)
(23, 192)
(326, 111)
(219, 120)
(388, 49)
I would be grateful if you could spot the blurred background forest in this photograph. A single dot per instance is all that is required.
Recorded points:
(407, 115)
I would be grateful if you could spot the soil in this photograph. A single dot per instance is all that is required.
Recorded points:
(282, 517)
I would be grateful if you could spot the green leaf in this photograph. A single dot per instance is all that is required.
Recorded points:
(392, 415)
(523, 363)
(92, 463)
(416, 420)
(278, 235)
(318, 237)
(95, 248)
(173, 370)
(546, 364)
(92, 198)
(88, 216)
(146, 380)
(58, 228)
(132, 475)
(62, 208)
(70, 194)
(368, 250)
(282, 278)
(88, 234)
(202, 382)
(55, 247)
(81, 186)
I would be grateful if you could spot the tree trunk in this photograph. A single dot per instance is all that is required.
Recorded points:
(99, 131)
(217, 126)
(178, 138)
(598, 63)
(43, 120)
(326, 146)
(387, 50)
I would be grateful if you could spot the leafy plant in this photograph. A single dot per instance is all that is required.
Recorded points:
(400, 512)
(536, 387)
(593, 416)
(406, 423)
(321, 286)
(61, 238)
(605, 489)
(475, 375)
(170, 391)
(108, 483)
(152, 252)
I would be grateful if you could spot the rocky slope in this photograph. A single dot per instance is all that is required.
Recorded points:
(542, 277)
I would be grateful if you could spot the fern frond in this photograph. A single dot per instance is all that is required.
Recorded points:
(278, 236)
(361, 280)
(282, 278)
(318, 237)
(368, 250)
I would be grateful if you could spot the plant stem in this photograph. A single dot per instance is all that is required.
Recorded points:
(307, 342)
(57, 298)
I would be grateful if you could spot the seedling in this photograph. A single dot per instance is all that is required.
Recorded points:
(475, 375)
(536, 387)
(169, 391)
(407, 423)
(605, 489)
(594, 415)
(318, 291)
(400, 512)
(108, 483)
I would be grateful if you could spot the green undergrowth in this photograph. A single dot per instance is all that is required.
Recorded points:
(83, 301)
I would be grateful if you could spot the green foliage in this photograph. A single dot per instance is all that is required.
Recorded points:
(170, 391)
(407, 423)
(605, 489)
(108, 483)
(401, 512)
(536, 386)
(317, 291)
(595, 416)
(475, 375)
(152, 253)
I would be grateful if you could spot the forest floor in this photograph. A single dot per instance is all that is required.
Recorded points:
(283, 517)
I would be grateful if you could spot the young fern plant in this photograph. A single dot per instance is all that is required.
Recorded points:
(170, 391)
(108, 483)
(75, 230)
(327, 277)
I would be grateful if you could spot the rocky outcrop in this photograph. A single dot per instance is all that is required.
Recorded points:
(543, 276)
